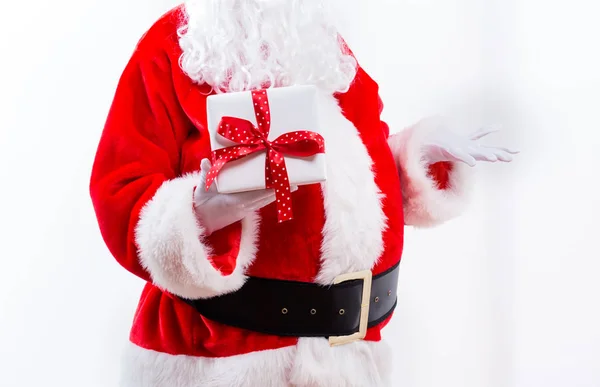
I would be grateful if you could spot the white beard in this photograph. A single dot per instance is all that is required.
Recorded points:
(239, 45)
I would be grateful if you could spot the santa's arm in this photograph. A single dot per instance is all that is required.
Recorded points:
(432, 192)
(434, 189)
(144, 205)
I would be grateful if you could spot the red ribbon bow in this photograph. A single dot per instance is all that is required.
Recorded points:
(252, 139)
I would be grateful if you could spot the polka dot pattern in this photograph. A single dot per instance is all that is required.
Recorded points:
(254, 139)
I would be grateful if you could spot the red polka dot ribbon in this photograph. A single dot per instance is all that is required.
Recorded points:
(251, 139)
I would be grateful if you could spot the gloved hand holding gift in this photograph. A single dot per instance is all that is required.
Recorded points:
(215, 210)
(266, 139)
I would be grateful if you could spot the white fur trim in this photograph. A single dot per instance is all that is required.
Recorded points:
(426, 205)
(171, 249)
(355, 221)
(362, 363)
(312, 363)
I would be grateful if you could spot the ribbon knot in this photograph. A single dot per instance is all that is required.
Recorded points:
(250, 138)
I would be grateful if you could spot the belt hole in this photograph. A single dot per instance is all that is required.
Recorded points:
(284, 311)
(376, 299)
(342, 311)
(389, 293)
(313, 311)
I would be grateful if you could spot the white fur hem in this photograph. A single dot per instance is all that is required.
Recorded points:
(426, 205)
(170, 245)
(311, 363)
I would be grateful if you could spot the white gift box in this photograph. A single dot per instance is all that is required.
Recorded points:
(291, 109)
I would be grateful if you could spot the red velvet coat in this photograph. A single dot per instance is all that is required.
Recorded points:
(142, 182)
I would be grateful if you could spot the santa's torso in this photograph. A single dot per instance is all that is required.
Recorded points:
(352, 222)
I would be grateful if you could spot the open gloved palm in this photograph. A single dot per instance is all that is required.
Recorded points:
(444, 145)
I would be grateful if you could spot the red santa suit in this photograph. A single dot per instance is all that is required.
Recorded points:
(142, 185)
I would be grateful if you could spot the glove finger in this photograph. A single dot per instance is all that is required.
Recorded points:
(202, 179)
(268, 196)
(507, 150)
(503, 156)
(205, 165)
(246, 198)
(268, 200)
(253, 196)
(484, 132)
(260, 203)
(482, 154)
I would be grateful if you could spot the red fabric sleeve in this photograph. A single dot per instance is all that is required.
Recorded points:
(384, 126)
(140, 149)
(365, 79)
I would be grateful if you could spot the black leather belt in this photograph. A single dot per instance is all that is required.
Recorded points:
(302, 309)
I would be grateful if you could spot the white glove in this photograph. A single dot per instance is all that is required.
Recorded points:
(444, 145)
(216, 211)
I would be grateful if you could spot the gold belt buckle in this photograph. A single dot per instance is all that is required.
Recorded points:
(367, 277)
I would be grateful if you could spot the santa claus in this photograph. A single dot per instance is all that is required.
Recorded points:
(232, 297)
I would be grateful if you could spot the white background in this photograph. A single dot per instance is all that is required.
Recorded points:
(507, 295)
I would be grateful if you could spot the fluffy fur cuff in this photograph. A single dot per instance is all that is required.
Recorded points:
(425, 204)
(172, 250)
